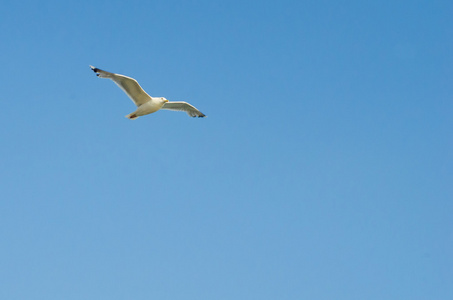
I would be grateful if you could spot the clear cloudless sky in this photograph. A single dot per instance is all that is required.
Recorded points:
(323, 171)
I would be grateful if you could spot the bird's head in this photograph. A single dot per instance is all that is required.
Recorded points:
(164, 100)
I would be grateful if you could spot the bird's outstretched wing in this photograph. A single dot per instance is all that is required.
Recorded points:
(129, 85)
(184, 106)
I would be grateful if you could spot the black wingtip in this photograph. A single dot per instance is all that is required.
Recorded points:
(95, 70)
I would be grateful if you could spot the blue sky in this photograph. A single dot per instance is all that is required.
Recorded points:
(323, 170)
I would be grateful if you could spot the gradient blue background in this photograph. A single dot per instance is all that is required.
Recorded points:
(323, 170)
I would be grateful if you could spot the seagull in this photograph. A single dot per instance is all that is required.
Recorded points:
(145, 103)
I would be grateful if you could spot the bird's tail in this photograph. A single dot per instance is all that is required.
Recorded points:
(132, 116)
(101, 73)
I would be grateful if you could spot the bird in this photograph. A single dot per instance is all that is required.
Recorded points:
(145, 103)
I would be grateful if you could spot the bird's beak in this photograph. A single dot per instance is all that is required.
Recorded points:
(166, 100)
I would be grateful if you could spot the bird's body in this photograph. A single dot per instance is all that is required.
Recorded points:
(145, 103)
(152, 105)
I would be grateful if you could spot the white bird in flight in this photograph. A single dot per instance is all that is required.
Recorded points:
(145, 103)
